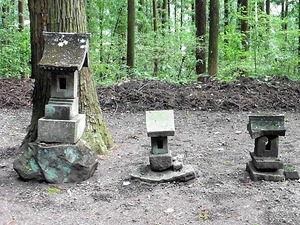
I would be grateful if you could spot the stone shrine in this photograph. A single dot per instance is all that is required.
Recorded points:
(265, 164)
(59, 155)
(163, 167)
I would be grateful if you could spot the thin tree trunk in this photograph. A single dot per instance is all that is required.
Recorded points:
(200, 20)
(21, 15)
(299, 37)
(213, 37)
(155, 60)
(226, 14)
(164, 14)
(268, 7)
(130, 34)
(243, 6)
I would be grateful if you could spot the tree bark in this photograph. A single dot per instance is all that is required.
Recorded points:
(200, 20)
(268, 7)
(21, 15)
(130, 34)
(243, 7)
(65, 16)
(213, 37)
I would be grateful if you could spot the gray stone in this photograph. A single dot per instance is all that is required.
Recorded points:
(257, 175)
(265, 163)
(266, 125)
(290, 172)
(62, 163)
(61, 109)
(64, 84)
(266, 146)
(65, 51)
(159, 145)
(145, 173)
(61, 131)
(178, 162)
(160, 162)
(160, 123)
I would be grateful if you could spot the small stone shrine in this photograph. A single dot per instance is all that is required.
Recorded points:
(59, 155)
(163, 167)
(265, 164)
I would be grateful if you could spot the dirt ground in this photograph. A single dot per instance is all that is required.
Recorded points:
(210, 121)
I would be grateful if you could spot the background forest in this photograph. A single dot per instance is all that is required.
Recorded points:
(179, 41)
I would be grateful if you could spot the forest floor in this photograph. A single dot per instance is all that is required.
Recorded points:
(211, 131)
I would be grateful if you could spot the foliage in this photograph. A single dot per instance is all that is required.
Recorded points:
(14, 46)
(273, 50)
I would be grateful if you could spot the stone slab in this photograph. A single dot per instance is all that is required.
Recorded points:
(160, 162)
(145, 173)
(257, 175)
(57, 163)
(160, 123)
(61, 109)
(61, 131)
(264, 163)
(266, 125)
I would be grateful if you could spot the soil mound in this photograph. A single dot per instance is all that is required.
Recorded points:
(138, 95)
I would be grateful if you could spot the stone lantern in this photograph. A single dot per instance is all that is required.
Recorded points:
(59, 155)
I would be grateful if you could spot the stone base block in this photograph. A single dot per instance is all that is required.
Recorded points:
(60, 163)
(61, 131)
(257, 175)
(145, 173)
(290, 172)
(61, 109)
(266, 163)
(161, 162)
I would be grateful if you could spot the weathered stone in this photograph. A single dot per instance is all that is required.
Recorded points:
(61, 131)
(64, 84)
(159, 145)
(145, 173)
(256, 175)
(160, 162)
(62, 163)
(65, 51)
(266, 146)
(178, 162)
(61, 109)
(266, 125)
(266, 163)
(160, 123)
(290, 172)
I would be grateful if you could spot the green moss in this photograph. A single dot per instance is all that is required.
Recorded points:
(95, 142)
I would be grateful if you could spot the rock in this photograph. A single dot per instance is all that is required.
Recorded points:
(56, 163)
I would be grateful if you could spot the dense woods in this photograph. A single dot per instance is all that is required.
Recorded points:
(180, 41)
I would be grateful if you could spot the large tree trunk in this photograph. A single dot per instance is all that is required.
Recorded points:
(213, 37)
(200, 20)
(130, 34)
(41, 92)
(66, 16)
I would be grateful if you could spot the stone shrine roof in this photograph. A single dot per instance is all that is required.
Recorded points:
(266, 125)
(65, 51)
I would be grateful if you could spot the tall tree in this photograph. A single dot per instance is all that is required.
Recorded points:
(214, 7)
(64, 16)
(130, 33)
(200, 20)
(243, 8)
(21, 14)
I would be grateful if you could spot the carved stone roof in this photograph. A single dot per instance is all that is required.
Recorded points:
(65, 51)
